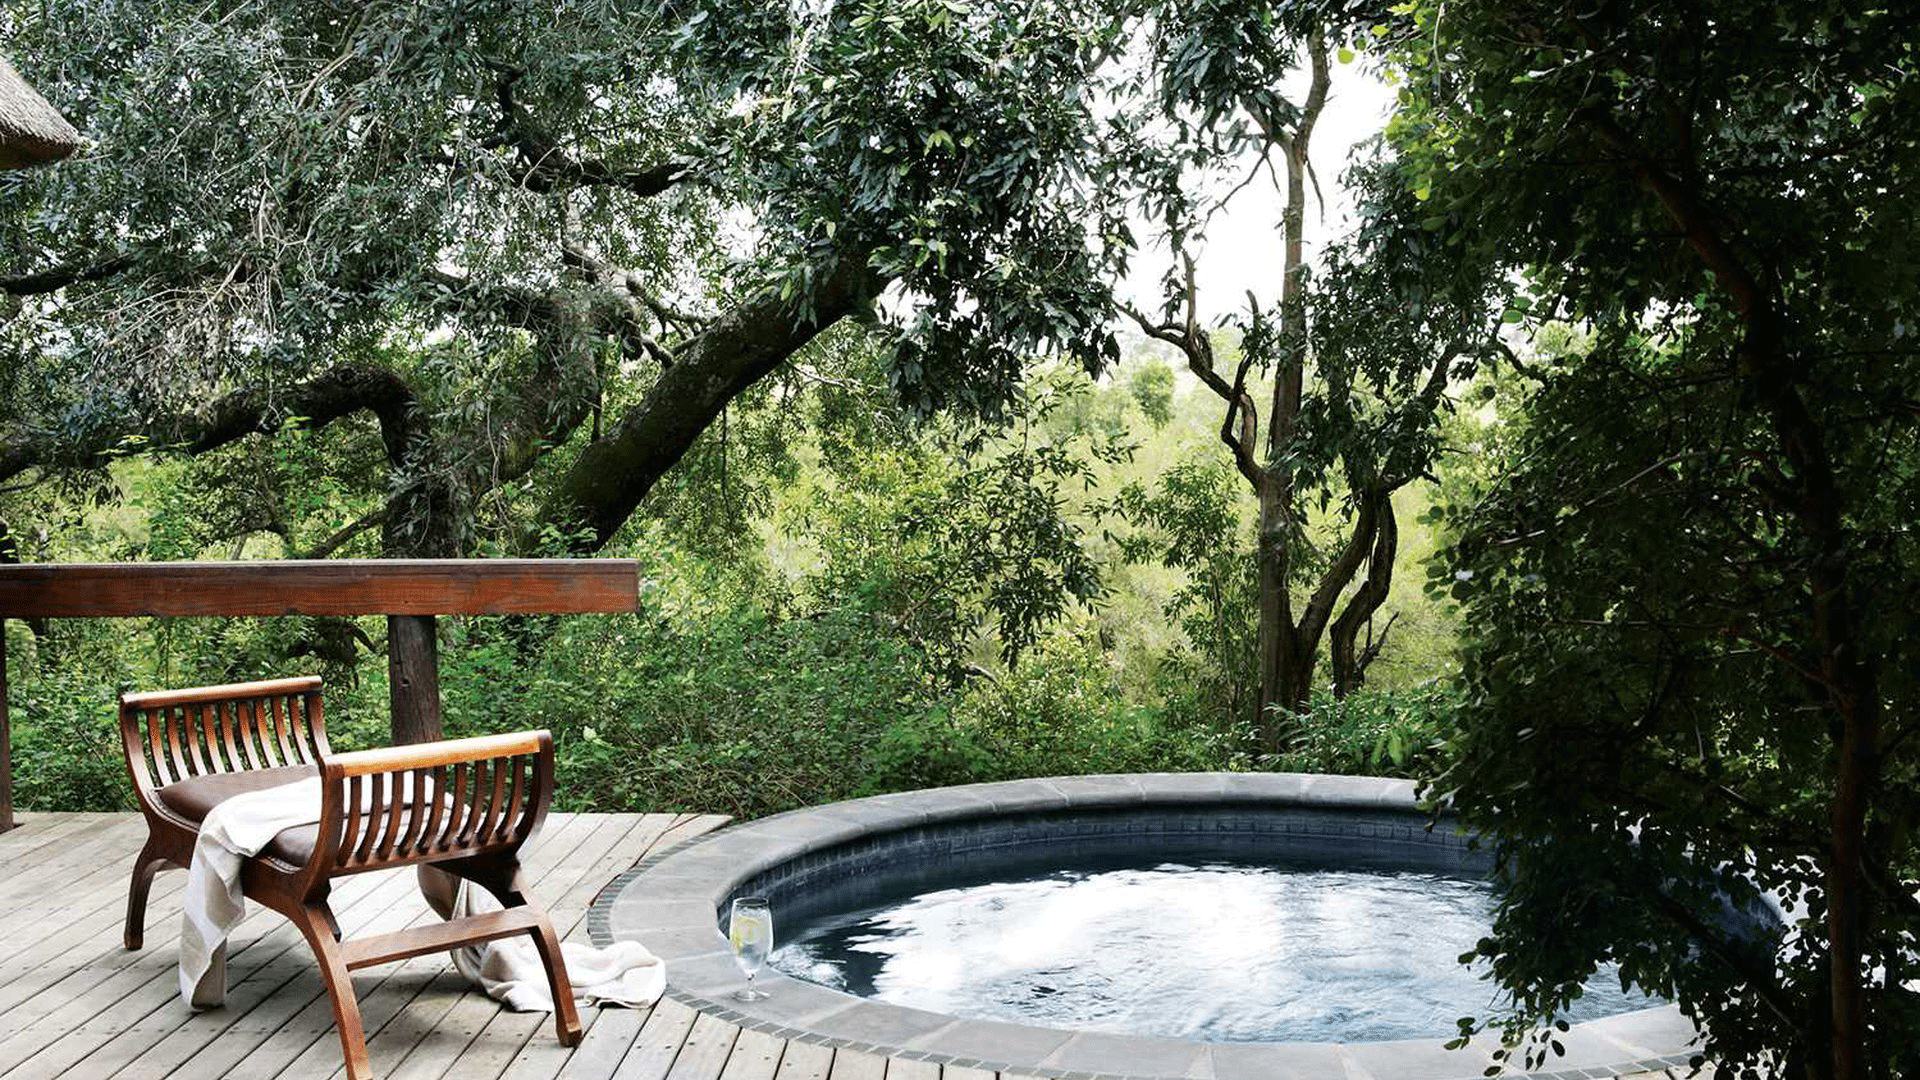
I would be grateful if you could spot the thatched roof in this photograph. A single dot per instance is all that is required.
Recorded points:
(32, 132)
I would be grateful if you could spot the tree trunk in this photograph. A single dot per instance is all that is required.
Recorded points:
(1287, 649)
(1349, 663)
(614, 473)
(1284, 688)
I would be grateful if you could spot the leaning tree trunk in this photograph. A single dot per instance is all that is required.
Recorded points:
(1349, 660)
(604, 487)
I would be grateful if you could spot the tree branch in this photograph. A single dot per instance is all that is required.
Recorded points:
(614, 473)
(332, 394)
(325, 548)
(60, 277)
(545, 167)
(1313, 618)
(1240, 427)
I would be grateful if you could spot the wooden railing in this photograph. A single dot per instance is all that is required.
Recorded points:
(410, 593)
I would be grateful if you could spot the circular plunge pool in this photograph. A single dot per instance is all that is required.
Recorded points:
(989, 881)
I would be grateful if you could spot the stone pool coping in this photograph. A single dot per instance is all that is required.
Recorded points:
(670, 904)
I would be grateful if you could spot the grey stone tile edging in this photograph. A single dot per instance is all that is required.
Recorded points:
(671, 903)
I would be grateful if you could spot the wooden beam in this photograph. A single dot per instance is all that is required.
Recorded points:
(322, 587)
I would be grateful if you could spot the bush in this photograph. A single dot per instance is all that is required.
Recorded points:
(1059, 713)
(732, 712)
(1375, 732)
(66, 747)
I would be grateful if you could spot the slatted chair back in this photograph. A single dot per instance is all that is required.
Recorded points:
(174, 735)
(429, 802)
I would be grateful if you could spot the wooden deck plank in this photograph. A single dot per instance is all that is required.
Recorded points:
(704, 1054)
(501, 1039)
(68, 897)
(146, 995)
(409, 1022)
(903, 1069)
(73, 878)
(149, 975)
(962, 1072)
(600, 1052)
(451, 1036)
(74, 1003)
(65, 1057)
(30, 840)
(90, 922)
(756, 1056)
(855, 1065)
(805, 1061)
(658, 1044)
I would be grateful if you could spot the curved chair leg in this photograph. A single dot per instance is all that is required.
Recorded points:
(315, 922)
(145, 866)
(502, 879)
(566, 1017)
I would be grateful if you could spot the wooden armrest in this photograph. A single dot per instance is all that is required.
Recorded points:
(426, 802)
(443, 752)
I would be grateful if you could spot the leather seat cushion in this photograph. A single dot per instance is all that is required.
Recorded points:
(194, 798)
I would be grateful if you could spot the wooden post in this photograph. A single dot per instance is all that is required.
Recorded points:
(6, 739)
(413, 678)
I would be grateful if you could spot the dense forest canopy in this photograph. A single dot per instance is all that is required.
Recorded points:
(799, 304)
(496, 227)
(1688, 579)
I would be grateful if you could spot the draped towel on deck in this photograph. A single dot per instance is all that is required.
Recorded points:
(507, 970)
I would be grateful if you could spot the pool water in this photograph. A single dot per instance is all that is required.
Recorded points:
(1213, 951)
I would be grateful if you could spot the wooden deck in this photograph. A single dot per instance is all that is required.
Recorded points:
(75, 1004)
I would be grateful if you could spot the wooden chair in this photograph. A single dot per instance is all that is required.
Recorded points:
(464, 806)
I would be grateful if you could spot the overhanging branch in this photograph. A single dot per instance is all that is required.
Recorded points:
(60, 277)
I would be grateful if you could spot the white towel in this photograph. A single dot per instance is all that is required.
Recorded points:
(508, 969)
(233, 830)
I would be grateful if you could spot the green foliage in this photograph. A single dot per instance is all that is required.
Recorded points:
(1376, 732)
(264, 238)
(732, 713)
(1191, 520)
(947, 141)
(1152, 388)
(66, 746)
(938, 546)
(1687, 573)
(1061, 714)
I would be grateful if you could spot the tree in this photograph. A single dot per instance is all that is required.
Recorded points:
(1152, 388)
(1353, 363)
(540, 246)
(1689, 585)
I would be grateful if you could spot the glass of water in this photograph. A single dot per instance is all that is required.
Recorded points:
(750, 933)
